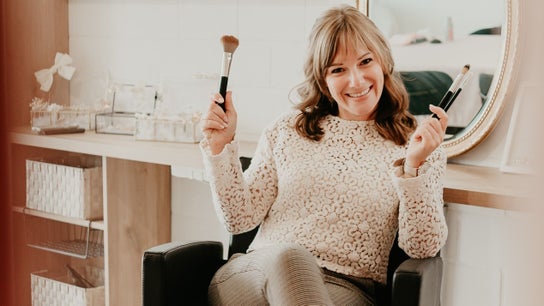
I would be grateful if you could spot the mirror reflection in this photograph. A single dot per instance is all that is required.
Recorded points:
(432, 40)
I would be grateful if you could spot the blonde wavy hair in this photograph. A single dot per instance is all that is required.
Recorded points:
(345, 25)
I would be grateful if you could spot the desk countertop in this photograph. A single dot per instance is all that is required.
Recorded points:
(463, 184)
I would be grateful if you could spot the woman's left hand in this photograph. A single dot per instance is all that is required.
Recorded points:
(427, 137)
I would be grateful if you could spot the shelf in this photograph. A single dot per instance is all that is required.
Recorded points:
(98, 224)
(75, 248)
(77, 238)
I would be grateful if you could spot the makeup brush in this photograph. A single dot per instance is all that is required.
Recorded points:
(230, 43)
(458, 91)
(453, 88)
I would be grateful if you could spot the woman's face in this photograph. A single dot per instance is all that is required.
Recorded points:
(355, 81)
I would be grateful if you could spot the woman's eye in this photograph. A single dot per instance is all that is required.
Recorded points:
(336, 70)
(366, 61)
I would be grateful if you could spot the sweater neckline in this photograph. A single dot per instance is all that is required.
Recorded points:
(353, 123)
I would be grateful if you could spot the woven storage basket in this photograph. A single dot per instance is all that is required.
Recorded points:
(59, 289)
(70, 187)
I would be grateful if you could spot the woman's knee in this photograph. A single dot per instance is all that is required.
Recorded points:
(293, 256)
(295, 278)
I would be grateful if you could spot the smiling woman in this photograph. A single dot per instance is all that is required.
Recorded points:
(425, 46)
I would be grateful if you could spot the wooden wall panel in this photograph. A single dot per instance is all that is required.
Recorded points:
(6, 262)
(35, 30)
(32, 32)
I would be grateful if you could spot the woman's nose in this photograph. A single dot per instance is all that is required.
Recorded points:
(356, 77)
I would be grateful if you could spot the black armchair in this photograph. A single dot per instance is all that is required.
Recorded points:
(179, 273)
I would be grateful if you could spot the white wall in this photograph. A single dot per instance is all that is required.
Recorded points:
(176, 43)
(403, 16)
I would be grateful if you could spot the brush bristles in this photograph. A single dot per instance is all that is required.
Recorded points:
(230, 43)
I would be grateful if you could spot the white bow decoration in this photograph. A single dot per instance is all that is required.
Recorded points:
(62, 66)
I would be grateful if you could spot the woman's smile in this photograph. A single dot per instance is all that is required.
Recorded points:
(359, 94)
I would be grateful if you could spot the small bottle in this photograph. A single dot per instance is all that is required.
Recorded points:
(449, 30)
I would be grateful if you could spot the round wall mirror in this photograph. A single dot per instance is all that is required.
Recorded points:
(434, 40)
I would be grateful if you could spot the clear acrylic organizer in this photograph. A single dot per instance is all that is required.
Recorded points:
(183, 129)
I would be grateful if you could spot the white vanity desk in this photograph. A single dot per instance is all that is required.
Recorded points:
(137, 193)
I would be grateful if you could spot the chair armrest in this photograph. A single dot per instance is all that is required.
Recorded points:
(177, 272)
(417, 282)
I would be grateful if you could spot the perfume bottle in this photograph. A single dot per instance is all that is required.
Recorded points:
(449, 29)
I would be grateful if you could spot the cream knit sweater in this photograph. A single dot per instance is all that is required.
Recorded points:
(343, 198)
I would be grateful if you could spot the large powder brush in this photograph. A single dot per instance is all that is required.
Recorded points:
(230, 43)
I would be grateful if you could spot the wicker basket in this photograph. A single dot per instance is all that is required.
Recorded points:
(70, 187)
(63, 289)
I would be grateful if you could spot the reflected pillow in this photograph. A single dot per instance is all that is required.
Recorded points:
(424, 88)
(484, 81)
(488, 31)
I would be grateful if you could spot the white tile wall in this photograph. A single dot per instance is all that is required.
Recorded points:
(175, 43)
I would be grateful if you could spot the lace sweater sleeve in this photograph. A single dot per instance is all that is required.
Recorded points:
(241, 199)
(422, 225)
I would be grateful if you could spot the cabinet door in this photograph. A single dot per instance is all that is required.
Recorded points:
(138, 217)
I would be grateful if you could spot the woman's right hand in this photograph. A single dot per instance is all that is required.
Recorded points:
(219, 126)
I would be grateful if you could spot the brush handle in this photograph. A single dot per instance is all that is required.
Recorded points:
(445, 100)
(458, 91)
(452, 99)
(223, 90)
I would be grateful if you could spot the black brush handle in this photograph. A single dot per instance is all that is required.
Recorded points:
(452, 99)
(223, 90)
(445, 100)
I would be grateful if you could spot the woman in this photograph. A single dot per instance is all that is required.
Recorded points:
(331, 183)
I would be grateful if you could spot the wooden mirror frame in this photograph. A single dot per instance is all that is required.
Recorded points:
(488, 116)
